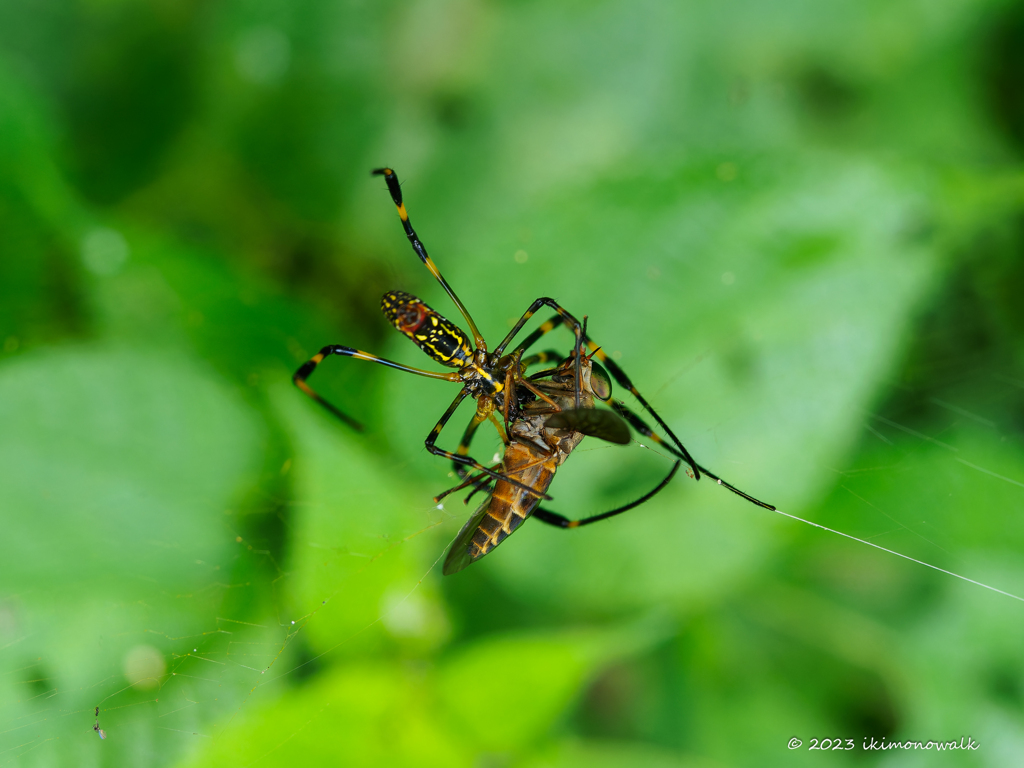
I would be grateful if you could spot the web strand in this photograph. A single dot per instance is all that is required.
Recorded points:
(900, 554)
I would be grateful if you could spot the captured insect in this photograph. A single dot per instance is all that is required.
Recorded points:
(543, 417)
(539, 442)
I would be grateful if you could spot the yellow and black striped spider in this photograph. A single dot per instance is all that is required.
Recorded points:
(534, 411)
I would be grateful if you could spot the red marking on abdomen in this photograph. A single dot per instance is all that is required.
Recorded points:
(409, 322)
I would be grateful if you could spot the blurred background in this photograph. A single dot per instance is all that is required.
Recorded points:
(796, 225)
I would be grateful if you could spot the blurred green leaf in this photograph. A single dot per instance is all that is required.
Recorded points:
(508, 691)
(376, 714)
(598, 754)
(490, 701)
(149, 447)
(39, 298)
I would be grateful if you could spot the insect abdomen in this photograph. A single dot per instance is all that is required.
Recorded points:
(510, 505)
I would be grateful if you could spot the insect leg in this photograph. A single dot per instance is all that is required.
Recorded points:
(483, 483)
(468, 461)
(560, 521)
(479, 482)
(307, 368)
(525, 384)
(638, 424)
(396, 194)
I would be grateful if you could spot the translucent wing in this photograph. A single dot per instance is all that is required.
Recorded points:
(605, 425)
(458, 556)
(505, 509)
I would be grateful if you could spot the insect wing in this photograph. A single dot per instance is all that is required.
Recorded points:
(605, 425)
(458, 556)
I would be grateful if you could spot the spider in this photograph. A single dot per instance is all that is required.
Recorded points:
(552, 416)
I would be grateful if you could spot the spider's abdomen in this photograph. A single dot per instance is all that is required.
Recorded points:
(440, 338)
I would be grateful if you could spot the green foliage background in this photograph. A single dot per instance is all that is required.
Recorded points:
(797, 225)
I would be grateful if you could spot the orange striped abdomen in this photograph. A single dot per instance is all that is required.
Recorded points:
(510, 505)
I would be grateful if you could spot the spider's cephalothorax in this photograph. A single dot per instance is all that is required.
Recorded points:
(543, 415)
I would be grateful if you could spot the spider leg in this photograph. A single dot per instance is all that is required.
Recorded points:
(307, 368)
(542, 330)
(623, 381)
(678, 449)
(482, 482)
(638, 424)
(620, 377)
(396, 194)
(564, 317)
(467, 438)
(469, 461)
(548, 355)
(560, 521)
